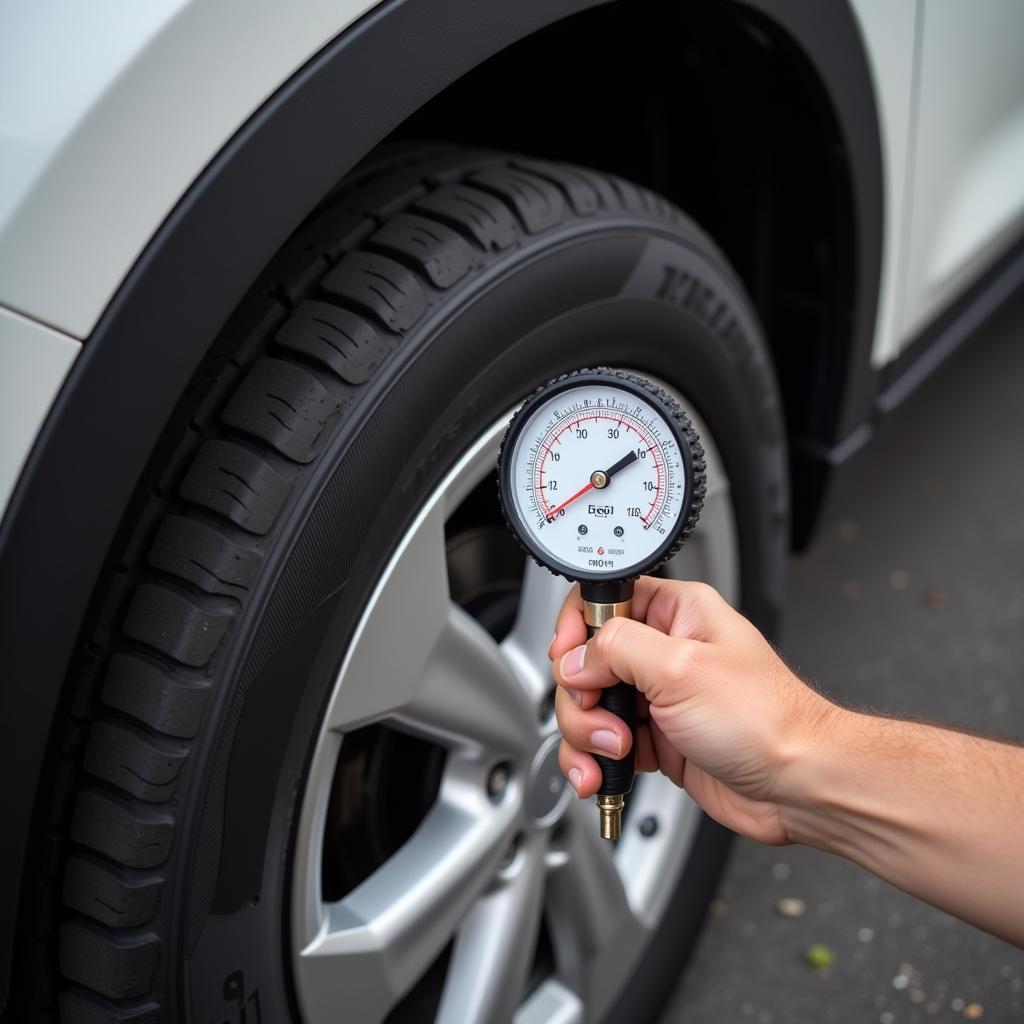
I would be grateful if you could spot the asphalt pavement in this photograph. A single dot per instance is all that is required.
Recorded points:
(911, 601)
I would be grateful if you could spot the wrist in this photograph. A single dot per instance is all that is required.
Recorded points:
(811, 765)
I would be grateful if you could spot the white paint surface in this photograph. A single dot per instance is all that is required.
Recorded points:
(888, 30)
(967, 192)
(108, 112)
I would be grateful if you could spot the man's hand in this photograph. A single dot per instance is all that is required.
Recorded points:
(937, 812)
(719, 712)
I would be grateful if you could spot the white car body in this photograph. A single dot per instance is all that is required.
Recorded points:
(109, 112)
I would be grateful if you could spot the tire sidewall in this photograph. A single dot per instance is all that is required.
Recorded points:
(625, 291)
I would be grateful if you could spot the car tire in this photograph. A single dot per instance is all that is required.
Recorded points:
(430, 292)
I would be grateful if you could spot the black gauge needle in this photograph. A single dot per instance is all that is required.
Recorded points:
(621, 464)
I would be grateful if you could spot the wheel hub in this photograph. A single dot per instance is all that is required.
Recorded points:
(547, 794)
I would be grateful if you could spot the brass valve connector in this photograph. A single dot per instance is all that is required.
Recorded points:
(611, 807)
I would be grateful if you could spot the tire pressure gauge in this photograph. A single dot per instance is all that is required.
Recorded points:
(601, 479)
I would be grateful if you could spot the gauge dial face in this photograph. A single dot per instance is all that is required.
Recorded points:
(598, 481)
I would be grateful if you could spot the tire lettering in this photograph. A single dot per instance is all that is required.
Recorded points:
(247, 1005)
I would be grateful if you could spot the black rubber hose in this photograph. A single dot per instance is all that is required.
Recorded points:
(617, 775)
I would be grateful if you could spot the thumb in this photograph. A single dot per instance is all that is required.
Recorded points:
(630, 651)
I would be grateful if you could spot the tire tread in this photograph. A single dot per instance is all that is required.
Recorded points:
(329, 312)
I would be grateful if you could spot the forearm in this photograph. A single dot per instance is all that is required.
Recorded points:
(938, 813)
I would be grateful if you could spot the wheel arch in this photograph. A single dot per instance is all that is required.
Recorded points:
(269, 176)
(757, 117)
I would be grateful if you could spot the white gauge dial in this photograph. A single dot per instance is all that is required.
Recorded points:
(598, 480)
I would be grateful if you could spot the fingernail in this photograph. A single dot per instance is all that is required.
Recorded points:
(575, 779)
(554, 637)
(575, 694)
(606, 741)
(573, 661)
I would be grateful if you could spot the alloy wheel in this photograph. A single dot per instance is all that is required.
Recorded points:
(500, 889)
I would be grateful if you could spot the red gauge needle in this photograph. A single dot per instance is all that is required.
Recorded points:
(569, 501)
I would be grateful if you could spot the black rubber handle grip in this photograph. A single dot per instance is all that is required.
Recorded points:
(617, 776)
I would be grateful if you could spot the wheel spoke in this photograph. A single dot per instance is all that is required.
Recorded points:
(410, 611)
(373, 945)
(527, 644)
(496, 944)
(551, 1003)
(468, 693)
(424, 662)
(588, 913)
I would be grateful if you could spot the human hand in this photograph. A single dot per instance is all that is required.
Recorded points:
(719, 712)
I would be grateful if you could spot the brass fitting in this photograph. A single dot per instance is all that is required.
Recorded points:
(611, 808)
(596, 614)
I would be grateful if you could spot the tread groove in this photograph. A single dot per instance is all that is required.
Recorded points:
(239, 501)
(283, 401)
(235, 476)
(218, 578)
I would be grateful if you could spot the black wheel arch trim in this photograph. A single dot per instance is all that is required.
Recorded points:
(830, 38)
(152, 336)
